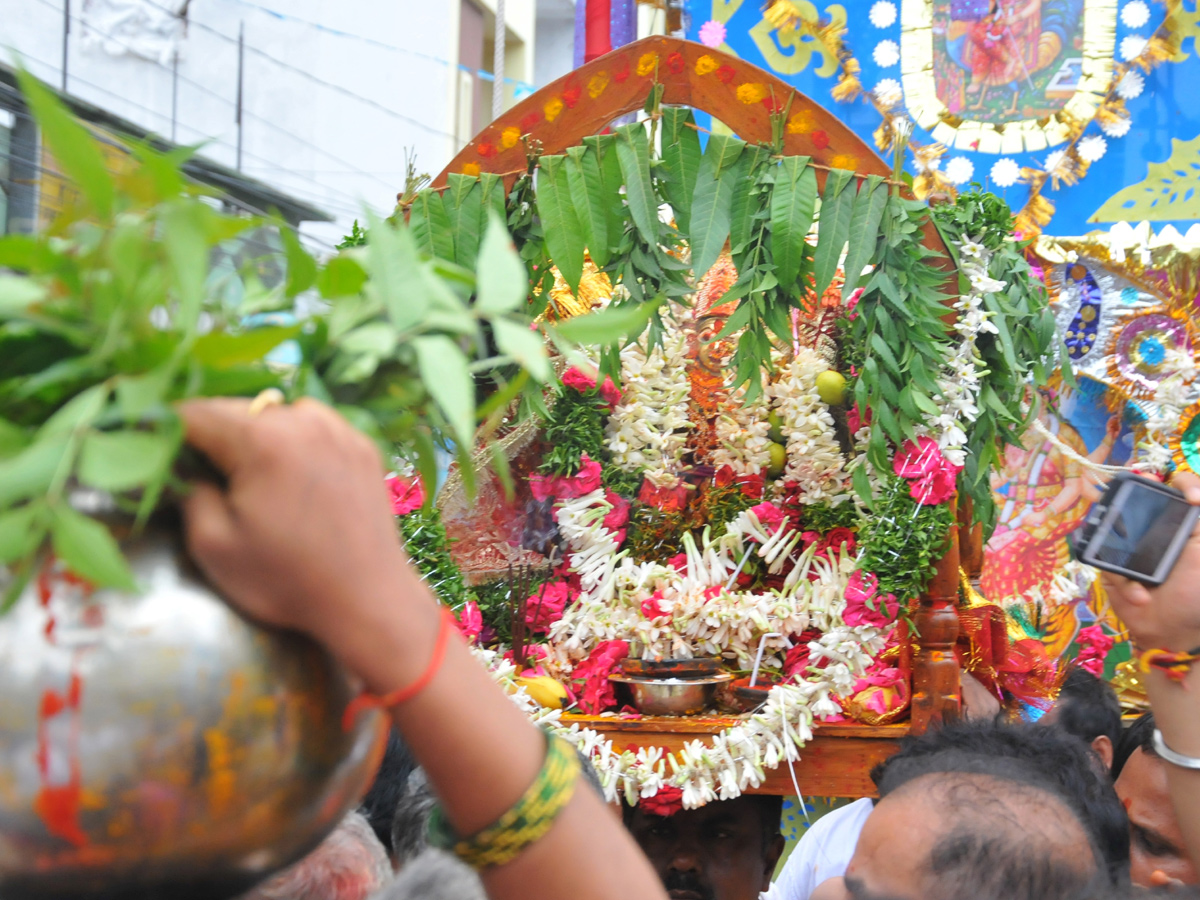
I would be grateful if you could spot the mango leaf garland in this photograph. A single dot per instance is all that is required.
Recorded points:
(556, 208)
(713, 201)
(792, 204)
(680, 162)
(837, 207)
(864, 229)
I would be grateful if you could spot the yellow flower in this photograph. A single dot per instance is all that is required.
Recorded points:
(706, 64)
(801, 123)
(471, 169)
(509, 136)
(752, 92)
(597, 85)
(844, 161)
(647, 64)
(552, 108)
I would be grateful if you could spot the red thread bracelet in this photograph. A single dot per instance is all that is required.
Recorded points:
(1175, 665)
(367, 700)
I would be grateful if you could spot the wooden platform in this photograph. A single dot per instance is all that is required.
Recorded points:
(836, 763)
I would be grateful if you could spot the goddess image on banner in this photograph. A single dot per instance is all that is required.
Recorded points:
(1043, 491)
(1010, 59)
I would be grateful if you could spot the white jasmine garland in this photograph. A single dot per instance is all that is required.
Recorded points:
(742, 431)
(1175, 392)
(648, 429)
(815, 461)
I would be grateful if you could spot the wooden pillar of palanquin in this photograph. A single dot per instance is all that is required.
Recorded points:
(936, 684)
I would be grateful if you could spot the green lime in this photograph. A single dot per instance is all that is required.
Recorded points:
(776, 423)
(778, 459)
(831, 387)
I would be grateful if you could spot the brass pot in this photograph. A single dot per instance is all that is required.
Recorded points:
(162, 744)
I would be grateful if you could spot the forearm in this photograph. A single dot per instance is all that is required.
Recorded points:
(481, 753)
(1177, 715)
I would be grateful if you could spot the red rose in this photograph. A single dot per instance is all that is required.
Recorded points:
(618, 516)
(751, 486)
(667, 499)
(610, 392)
(724, 476)
(667, 802)
(836, 538)
(579, 380)
(862, 592)
(678, 562)
(796, 662)
(652, 607)
(567, 487)
(597, 693)
(546, 606)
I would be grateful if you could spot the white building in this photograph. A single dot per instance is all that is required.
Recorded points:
(331, 93)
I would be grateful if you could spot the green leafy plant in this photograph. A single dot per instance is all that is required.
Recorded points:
(574, 426)
(112, 317)
(902, 540)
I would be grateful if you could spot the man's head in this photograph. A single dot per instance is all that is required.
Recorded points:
(726, 850)
(350, 864)
(1087, 707)
(379, 805)
(1157, 852)
(1059, 761)
(950, 835)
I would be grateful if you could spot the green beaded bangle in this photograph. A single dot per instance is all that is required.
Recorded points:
(525, 823)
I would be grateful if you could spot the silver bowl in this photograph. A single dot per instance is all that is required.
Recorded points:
(671, 696)
(163, 745)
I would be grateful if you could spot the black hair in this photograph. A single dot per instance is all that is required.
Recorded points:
(1138, 736)
(1002, 844)
(768, 806)
(1088, 707)
(390, 784)
(1045, 757)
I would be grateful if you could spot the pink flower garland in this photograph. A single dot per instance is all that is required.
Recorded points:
(567, 487)
(579, 380)
(1094, 645)
(862, 592)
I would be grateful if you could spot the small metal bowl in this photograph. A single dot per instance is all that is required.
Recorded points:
(671, 696)
(696, 667)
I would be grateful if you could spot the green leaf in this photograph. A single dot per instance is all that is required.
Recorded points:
(121, 460)
(31, 472)
(792, 203)
(864, 230)
(18, 293)
(837, 205)
(138, 393)
(491, 186)
(221, 349)
(747, 199)
(633, 155)
(524, 346)
(20, 532)
(879, 347)
(739, 320)
(429, 224)
(607, 326)
(680, 162)
(446, 374)
(301, 267)
(89, 550)
(73, 147)
(13, 439)
(713, 200)
(610, 176)
(560, 225)
(77, 413)
(587, 187)
(393, 263)
(342, 276)
(503, 283)
(464, 208)
(862, 485)
(185, 239)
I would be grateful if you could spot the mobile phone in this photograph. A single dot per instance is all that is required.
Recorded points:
(1137, 529)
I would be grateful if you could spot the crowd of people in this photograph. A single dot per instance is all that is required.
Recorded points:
(473, 801)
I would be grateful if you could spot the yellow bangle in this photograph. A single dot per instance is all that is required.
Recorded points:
(525, 823)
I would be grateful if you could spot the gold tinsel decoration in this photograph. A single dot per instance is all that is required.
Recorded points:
(848, 86)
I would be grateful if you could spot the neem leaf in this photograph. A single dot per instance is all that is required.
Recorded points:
(560, 225)
(713, 200)
(89, 550)
(503, 284)
(121, 460)
(792, 203)
(864, 229)
(837, 205)
(633, 156)
(524, 346)
(446, 375)
(72, 145)
(430, 225)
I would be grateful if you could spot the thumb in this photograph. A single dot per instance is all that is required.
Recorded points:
(209, 525)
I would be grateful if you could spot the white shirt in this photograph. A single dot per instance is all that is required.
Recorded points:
(823, 853)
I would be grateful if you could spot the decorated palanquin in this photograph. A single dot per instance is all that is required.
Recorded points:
(749, 499)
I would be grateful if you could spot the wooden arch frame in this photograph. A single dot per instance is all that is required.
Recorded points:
(741, 95)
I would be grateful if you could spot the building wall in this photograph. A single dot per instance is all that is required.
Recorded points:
(333, 93)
